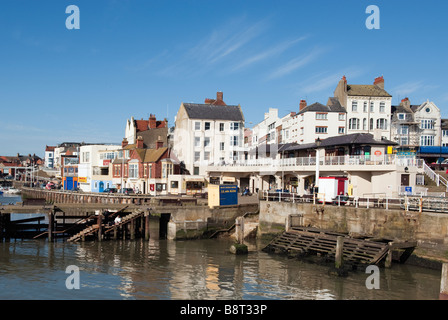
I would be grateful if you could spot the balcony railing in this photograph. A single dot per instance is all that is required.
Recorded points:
(329, 161)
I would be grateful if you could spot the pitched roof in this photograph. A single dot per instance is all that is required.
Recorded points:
(213, 112)
(153, 155)
(366, 90)
(347, 139)
(318, 107)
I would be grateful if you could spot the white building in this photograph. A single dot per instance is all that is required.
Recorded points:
(208, 133)
(320, 121)
(429, 118)
(93, 168)
(49, 157)
(265, 131)
(368, 107)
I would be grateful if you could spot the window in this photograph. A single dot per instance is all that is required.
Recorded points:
(365, 106)
(234, 140)
(206, 141)
(354, 106)
(401, 116)
(206, 155)
(321, 129)
(404, 141)
(372, 106)
(403, 129)
(197, 156)
(221, 127)
(197, 141)
(133, 170)
(427, 140)
(85, 156)
(381, 124)
(427, 124)
(353, 124)
(341, 130)
(197, 126)
(321, 116)
(234, 125)
(364, 124)
(207, 126)
(445, 133)
(341, 116)
(221, 146)
(371, 124)
(271, 126)
(382, 107)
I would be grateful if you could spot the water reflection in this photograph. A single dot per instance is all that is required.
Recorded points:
(160, 269)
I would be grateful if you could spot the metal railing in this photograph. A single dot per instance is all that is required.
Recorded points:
(407, 203)
(373, 160)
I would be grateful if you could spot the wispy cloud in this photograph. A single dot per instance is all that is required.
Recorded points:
(218, 49)
(296, 63)
(261, 56)
(409, 87)
(325, 81)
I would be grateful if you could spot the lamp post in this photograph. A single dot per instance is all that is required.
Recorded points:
(318, 143)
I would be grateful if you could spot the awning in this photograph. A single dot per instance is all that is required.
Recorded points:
(194, 179)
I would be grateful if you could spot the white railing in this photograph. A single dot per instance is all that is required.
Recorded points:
(437, 178)
(330, 161)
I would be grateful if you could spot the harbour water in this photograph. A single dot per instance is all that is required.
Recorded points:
(189, 270)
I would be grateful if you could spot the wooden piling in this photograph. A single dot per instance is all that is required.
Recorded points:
(100, 226)
(444, 283)
(132, 227)
(50, 225)
(388, 261)
(339, 252)
(147, 235)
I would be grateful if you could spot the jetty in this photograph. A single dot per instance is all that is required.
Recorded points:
(84, 216)
(359, 250)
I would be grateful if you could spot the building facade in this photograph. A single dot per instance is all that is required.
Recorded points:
(208, 133)
(368, 107)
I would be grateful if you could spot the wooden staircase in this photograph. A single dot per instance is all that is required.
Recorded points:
(106, 228)
(356, 251)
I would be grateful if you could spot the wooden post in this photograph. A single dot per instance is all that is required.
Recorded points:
(115, 232)
(50, 225)
(239, 229)
(444, 283)
(147, 235)
(132, 226)
(388, 262)
(100, 226)
(339, 250)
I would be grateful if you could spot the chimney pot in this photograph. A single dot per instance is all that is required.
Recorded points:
(124, 143)
(379, 82)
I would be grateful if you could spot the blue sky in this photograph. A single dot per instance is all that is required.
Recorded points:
(133, 58)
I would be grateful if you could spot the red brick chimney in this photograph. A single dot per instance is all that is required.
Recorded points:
(302, 105)
(219, 99)
(345, 79)
(159, 143)
(379, 82)
(124, 143)
(152, 123)
(139, 142)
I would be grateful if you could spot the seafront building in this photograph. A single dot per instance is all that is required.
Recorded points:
(208, 133)
(357, 136)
